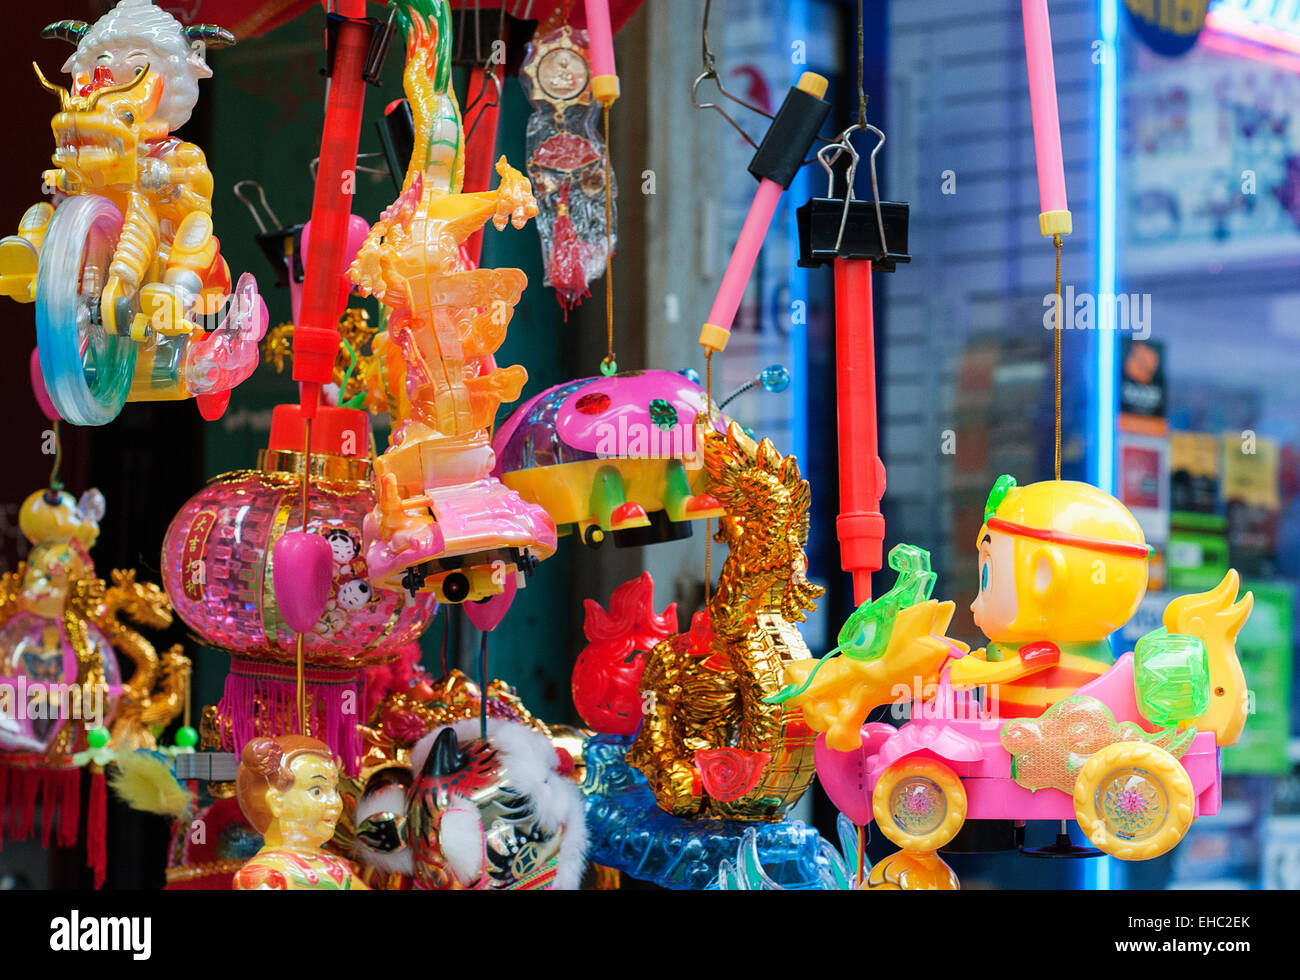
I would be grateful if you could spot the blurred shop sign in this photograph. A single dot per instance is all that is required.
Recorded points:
(1169, 27)
(1262, 21)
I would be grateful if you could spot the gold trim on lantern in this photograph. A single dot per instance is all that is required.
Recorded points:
(324, 466)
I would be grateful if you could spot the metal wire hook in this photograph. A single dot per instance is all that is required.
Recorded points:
(840, 147)
(843, 144)
(489, 71)
(315, 165)
(710, 73)
(252, 209)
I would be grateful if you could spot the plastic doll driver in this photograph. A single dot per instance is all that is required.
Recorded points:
(288, 790)
(1062, 565)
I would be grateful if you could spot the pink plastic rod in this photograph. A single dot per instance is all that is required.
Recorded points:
(600, 38)
(1042, 103)
(744, 254)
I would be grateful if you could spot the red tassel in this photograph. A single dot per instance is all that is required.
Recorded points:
(50, 793)
(567, 274)
(23, 813)
(97, 827)
(70, 812)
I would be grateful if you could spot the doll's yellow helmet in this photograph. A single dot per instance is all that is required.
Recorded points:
(1080, 559)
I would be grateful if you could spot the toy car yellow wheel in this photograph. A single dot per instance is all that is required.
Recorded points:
(919, 804)
(1133, 800)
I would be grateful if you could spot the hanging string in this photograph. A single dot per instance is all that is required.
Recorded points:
(446, 627)
(482, 686)
(55, 482)
(609, 365)
(306, 482)
(862, 95)
(1056, 357)
(708, 521)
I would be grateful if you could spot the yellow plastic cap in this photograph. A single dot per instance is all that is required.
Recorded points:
(1055, 223)
(604, 89)
(714, 337)
(813, 84)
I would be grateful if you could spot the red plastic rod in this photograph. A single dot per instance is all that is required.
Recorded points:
(860, 526)
(325, 288)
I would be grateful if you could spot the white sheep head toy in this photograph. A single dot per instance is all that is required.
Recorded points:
(134, 34)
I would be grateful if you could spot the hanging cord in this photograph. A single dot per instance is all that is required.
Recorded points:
(55, 482)
(862, 95)
(1056, 357)
(482, 686)
(608, 365)
(446, 627)
(708, 521)
(306, 482)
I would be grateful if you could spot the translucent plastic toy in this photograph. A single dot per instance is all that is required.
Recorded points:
(125, 271)
(1129, 750)
(628, 831)
(219, 568)
(617, 456)
(288, 791)
(442, 523)
(607, 673)
(64, 702)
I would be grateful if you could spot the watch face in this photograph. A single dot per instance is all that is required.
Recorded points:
(562, 74)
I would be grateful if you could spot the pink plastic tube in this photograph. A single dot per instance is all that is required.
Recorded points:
(600, 38)
(743, 256)
(1042, 103)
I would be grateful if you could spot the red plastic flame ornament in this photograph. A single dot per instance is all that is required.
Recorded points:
(608, 670)
(301, 573)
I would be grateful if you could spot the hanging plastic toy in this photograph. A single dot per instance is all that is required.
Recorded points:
(612, 456)
(443, 524)
(219, 558)
(566, 163)
(288, 790)
(63, 702)
(710, 745)
(123, 266)
(1130, 750)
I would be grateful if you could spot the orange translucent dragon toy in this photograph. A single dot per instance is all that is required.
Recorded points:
(442, 522)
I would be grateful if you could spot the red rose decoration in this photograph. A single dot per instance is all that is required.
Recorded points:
(728, 774)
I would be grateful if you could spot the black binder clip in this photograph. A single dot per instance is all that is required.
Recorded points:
(848, 228)
(282, 245)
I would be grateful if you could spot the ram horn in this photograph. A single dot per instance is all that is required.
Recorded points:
(211, 35)
(71, 31)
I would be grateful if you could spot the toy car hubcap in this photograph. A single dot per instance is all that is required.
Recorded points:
(918, 805)
(1133, 804)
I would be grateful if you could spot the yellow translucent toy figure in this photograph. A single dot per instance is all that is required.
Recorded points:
(1062, 565)
(134, 80)
(435, 495)
(288, 790)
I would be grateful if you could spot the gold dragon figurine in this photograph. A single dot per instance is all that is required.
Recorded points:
(56, 598)
(709, 745)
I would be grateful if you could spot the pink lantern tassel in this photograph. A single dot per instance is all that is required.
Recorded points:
(261, 699)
